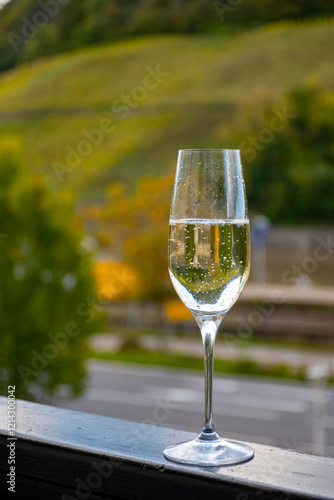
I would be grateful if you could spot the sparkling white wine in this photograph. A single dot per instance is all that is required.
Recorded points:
(209, 262)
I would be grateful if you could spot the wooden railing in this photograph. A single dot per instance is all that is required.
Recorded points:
(73, 455)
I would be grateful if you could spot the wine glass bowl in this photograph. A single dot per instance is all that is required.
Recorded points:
(209, 265)
(208, 262)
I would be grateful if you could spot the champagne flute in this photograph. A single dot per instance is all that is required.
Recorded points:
(209, 247)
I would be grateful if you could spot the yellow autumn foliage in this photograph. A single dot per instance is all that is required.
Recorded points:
(115, 280)
(175, 311)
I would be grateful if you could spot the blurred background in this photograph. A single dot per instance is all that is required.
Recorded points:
(96, 99)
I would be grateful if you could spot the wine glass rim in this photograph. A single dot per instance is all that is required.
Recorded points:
(209, 149)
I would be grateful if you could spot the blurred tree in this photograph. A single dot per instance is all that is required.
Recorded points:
(291, 179)
(146, 247)
(47, 290)
(137, 225)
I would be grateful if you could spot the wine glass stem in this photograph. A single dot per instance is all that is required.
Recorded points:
(208, 331)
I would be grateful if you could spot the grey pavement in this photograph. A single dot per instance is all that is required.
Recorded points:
(286, 414)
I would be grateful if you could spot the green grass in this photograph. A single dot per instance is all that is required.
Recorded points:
(131, 352)
(241, 367)
(301, 345)
(134, 333)
(214, 84)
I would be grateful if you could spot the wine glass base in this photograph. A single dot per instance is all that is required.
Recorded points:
(209, 452)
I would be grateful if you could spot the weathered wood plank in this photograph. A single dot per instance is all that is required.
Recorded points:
(77, 455)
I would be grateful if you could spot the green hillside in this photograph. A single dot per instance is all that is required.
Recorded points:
(30, 29)
(210, 88)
